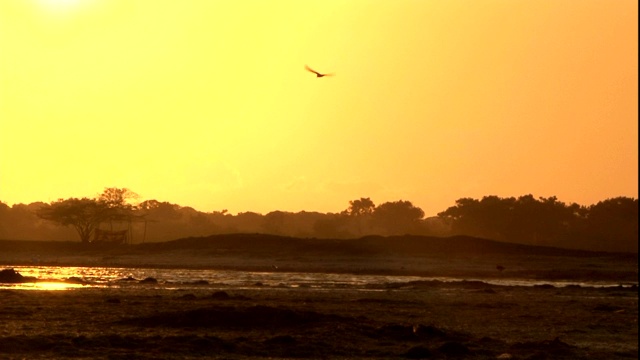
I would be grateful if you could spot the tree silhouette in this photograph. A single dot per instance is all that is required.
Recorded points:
(84, 215)
(274, 223)
(361, 207)
(360, 212)
(398, 217)
(118, 202)
(330, 227)
(614, 222)
(168, 221)
(542, 221)
(478, 218)
(609, 225)
(117, 198)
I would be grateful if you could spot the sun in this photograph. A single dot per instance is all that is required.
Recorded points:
(62, 6)
(60, 3)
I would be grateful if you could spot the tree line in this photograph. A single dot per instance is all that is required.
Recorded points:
(609, 225)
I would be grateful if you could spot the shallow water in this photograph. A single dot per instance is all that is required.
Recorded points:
(67, 278)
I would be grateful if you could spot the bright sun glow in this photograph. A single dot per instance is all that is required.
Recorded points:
(207, 104)
(59, 3)
(62, 6)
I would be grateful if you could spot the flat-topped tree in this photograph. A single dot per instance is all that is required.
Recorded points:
(85, 214)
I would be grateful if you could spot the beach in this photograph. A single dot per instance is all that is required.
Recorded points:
(422, 320)
(470, 319)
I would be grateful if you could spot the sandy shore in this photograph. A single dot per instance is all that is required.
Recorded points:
(427, 319)
(415, 320)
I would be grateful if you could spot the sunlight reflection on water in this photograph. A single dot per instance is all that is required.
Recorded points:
(68, 278)
(44, 285)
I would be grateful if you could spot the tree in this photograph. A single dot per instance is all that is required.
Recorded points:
(5, 213)
(332, 226)
(398, 217)
(118, 202)
(543, 221)
(361, 207)
(85, 215)
(359, 213)
(489, 217)
(613, 224)
(274, 223)
(115, 197)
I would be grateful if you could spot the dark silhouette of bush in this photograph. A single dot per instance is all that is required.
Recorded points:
(609, 225)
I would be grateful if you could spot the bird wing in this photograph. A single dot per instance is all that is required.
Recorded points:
(310, 69)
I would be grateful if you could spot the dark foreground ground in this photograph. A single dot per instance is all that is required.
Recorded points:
(428, 319)
(420, 320)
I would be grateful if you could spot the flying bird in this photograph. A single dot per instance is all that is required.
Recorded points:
(315, 72)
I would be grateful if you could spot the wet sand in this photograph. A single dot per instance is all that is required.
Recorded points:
(424, 319)
(415, 320)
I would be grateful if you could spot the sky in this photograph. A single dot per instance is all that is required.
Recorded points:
(207, 103)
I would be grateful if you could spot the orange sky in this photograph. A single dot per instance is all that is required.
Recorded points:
(207, 103)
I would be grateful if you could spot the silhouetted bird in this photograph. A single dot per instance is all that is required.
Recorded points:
(500, 268)
(317, 73)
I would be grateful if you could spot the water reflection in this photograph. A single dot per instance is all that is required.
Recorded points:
(45, 285)
(67, 278)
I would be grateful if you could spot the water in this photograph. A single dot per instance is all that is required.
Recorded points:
(67, 278)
